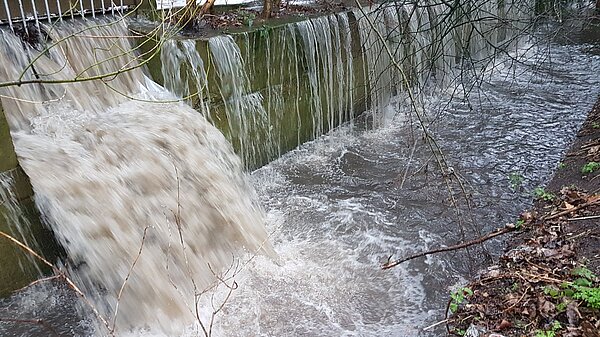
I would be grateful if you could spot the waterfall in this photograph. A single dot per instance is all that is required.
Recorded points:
(428, 42)
(173, 58)
(246, 115)
(277, 89)
(119, 167)
(14, 215)
(18, 219)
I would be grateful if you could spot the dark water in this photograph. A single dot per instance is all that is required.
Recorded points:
(339, 206)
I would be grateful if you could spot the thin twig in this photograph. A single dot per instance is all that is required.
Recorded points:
(61, 274)
(410, 158)
(27, 249)
(137, 257)
(579, 235)
(479, 240)
(571, 210)
(436, 324)
(50, 278)
(584, 218)
(33, 321)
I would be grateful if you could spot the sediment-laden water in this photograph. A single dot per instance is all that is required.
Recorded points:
(337, 207)
(147, 198)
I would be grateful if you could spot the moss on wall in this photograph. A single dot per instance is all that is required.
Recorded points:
(277, 66)
(19, 268)
(20, 219)
(8, 158)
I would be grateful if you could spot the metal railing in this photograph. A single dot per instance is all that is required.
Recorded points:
(22, 12)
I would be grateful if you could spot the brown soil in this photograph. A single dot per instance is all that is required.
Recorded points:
(244, 17)
(546, 283)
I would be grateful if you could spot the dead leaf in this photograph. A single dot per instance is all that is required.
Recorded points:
(572, 332)
(593, 151)
(503, 325)
(546, 307)
(589, 330)
(593, 198)
(527, 216)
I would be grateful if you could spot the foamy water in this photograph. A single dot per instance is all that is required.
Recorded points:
(334, 207)
(147, 198)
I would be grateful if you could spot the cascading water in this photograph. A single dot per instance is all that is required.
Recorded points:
(428, 42)
(337, 206)
(17, 268)
(19, 224)
(246, 116)
(321, 70)
(146, 197)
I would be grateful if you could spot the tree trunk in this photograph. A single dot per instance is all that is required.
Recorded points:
(207, 7)
(268, 7)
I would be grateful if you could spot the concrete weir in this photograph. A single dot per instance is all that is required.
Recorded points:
(271, 88)
(267, 89)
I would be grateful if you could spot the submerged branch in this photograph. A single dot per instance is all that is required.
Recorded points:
(481, 239)
(39, 322)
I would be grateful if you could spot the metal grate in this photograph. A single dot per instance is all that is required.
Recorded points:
(21, 12)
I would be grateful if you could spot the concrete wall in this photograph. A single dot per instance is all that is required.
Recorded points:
(17, 268)
(287, 98)
(277, 65)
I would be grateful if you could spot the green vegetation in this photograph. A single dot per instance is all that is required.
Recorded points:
(584, 272)
(561, 165)
(516, 180)
(247, 18)
(552, 291)
(591, 296)
(590, 167)
(264, 31)
(541, 193)
(458, 297)
(550, 332)
(581, 289)
(460, 332)
(519, 223)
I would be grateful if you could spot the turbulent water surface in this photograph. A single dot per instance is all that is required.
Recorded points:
(337, 210)
(337, 207)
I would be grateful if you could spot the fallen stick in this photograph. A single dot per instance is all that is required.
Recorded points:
(27, 249)
(556, 215)
(435, 324)
(38, 281)
(501, 231)
(584, 218)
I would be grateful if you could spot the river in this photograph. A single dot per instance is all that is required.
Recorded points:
(338, 206)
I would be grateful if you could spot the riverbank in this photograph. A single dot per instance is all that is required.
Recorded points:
(546, 284)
